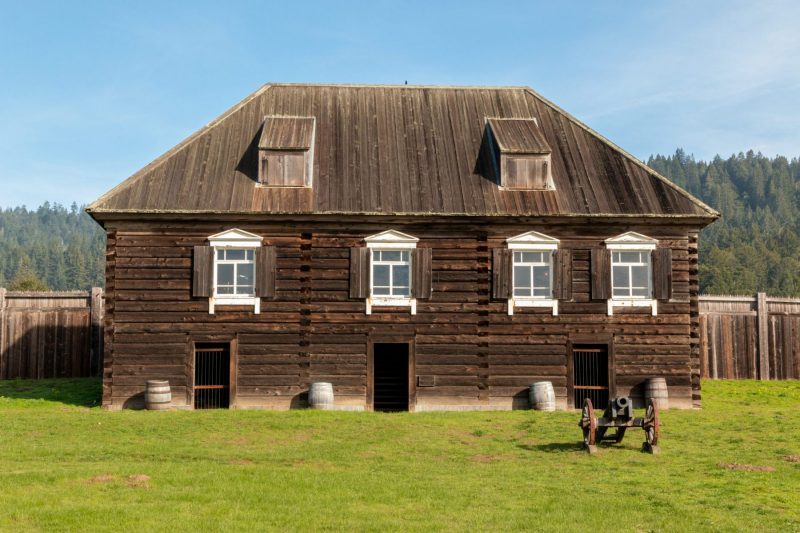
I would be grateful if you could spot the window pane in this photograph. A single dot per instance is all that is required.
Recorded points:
(401, 291)
(390, 256)
(249, 254)
(245, 289)
(621, 278)
(641, 275)
(244, 274)
(225, 290)
(235, 255)
(621, 292)
(642, 292)
(615, 257)
(541, 277)
(405, 256)
(532, 257)
(225, 274)
(543, 292)
(380, 291)
(522, 291)
(380, 275)
(630, 257)
(376, 255)
(517, 257)
(220, 254)
(522, 277)
(400, 278)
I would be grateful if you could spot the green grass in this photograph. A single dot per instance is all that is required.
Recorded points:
(67, 465)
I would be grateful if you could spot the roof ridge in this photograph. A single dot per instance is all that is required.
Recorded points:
(696, 201)
(401, 86)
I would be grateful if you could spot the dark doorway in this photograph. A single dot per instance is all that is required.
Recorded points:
(212, 371)
(590, 374)
(390, 377)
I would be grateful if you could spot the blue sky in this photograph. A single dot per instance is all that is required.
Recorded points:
(91, 91)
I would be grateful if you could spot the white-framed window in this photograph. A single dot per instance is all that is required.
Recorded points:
(532, 271)
(234, 274)
(390, 277)
(391, 273)
(631, 271)
(631, 274)
(533, 274)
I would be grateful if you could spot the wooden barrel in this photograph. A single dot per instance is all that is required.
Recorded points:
(157, 395)
(542, 396)
(656, 388)
(320, 396)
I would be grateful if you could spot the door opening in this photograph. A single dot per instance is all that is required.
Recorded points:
(212, 370)
(590, 375)
(390, 376)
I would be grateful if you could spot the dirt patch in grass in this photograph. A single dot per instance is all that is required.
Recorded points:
(747, 468)
(141, 481)
(792, 458)
(102, 478)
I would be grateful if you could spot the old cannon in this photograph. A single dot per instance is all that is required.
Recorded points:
(619, 416)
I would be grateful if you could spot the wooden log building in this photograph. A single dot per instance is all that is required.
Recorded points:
(420, 248)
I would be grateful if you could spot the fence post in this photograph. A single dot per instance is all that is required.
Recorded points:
(96, 304)
(3, 349)
(763, 336)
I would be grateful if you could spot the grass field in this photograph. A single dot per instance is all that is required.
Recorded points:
(67, 465)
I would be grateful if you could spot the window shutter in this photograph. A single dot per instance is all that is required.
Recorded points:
(501, 273)
(203, 271)
(662, 273)
(421, 263)
(601, 274)
(359, 272)
(265, 272)
(562, 273)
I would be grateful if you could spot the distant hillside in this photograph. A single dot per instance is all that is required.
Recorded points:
(61, 247)
(754, 247)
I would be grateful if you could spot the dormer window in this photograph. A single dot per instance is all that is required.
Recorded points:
(521, 153)
(286, 151)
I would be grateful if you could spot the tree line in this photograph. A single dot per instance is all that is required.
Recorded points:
(755, 246)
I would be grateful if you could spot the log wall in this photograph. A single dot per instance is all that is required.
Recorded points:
(465, 343)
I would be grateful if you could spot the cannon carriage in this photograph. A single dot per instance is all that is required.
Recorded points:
(618, 416)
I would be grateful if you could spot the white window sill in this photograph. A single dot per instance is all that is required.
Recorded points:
(378, 301)
(532, 302)
(632, 302)
(214, 301)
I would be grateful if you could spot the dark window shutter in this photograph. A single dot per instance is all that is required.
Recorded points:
(601, 274)
(421, 259)
(501, 273)
(662, 273)
(562, 273)
(359, 272)
(265, 272)
(203, 271)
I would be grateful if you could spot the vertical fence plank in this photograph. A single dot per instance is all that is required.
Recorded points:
(763, 335)
(3, 346)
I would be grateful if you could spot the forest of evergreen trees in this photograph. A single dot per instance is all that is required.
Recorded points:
(755, 246)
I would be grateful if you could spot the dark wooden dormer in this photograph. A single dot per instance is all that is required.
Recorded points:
(286, 151)
(522, 154)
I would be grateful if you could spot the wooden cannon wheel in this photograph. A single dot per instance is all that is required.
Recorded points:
(589, 425)
(652, 427)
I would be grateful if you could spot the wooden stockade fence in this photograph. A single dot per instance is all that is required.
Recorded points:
(60, 334)
(51, 334)
(746, 337)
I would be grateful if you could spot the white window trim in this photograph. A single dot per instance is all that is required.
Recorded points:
(392, 241)
(532, 241)
(631, 242)
(234, 239)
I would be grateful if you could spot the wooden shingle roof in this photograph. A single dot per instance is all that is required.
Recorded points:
(287, 133)
(519, 136)
(398, 150)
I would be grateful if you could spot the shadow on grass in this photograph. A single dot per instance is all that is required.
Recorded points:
(82, 392)
(553, 447)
